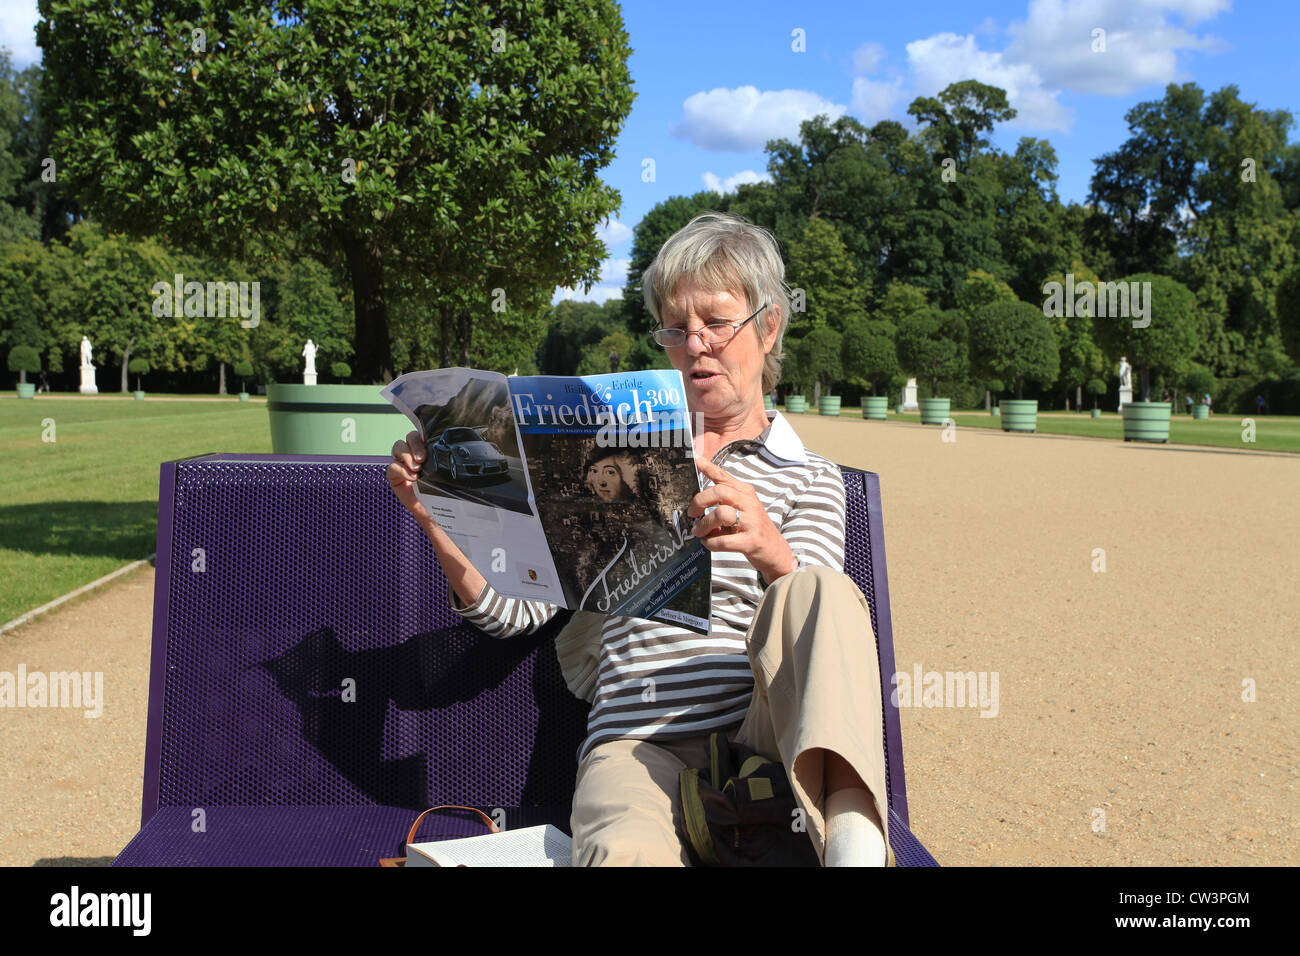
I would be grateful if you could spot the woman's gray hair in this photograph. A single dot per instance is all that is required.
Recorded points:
(725, 253)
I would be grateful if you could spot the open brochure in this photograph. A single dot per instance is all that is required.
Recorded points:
(533, 846)
(571, 490)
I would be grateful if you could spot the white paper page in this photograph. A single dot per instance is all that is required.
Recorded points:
(533, 846)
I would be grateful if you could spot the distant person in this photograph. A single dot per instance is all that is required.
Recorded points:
(1260, 403)
(1209, 404)
(1164, 396)
(45, 383)
(1188, 400)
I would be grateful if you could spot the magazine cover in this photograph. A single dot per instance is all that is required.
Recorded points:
(570, 490)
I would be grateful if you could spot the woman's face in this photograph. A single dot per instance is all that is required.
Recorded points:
(606, 481)
(734, 379)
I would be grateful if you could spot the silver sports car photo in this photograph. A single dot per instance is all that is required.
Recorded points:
(464, 453)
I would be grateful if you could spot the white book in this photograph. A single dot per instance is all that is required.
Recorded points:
(532, 846)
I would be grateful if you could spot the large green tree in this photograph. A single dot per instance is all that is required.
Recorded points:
(1166, 343)
(1013, 341)
(450, 152)
(932, 346)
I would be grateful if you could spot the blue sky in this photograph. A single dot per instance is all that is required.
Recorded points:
(716, 79)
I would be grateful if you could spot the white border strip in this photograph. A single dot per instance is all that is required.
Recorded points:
(23, 619)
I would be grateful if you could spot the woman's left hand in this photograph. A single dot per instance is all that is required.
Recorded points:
(755, 536)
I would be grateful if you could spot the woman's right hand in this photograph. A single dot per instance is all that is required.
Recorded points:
(404, 470)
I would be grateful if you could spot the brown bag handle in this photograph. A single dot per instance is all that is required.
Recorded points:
(400, 861)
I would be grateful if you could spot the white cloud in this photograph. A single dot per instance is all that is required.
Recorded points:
(1049, 52)
(875, 100)
(744, 119)
(613, 277)
(867, 58)
(947, 58)
(724, 186)
(1142, 45)
(613, 233)
(17, 31)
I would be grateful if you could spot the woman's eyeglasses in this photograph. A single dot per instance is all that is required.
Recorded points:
(714, 333)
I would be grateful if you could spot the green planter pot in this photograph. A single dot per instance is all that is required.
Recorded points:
(898, 409)
(1096, 413)
(997, 411)
(243, 396)
(1019, 414)
(1147, 421)
(934, 410)
(768, 403)
(875, 407)
(1200, 412)
(139, 396)
(796, 403)
(27, 390)
(993, 410)
(333, 420)
(828, 405)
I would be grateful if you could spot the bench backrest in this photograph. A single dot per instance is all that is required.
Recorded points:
(304, 652)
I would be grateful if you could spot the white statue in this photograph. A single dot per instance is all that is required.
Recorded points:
(309, 372)
(88, 386)
(1125, 373)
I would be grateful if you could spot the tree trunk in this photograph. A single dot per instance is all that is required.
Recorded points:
(817, 391)
(126, 360)
(1078, 397)
(221, 378)
(374, 356)
(988, 400)
(444, 340)
(466, 333)
(1146, 384)
(1019, 389)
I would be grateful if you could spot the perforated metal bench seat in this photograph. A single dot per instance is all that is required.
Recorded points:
(311, 690)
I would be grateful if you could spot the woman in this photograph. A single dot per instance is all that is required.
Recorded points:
(610, 476)
(790, 665)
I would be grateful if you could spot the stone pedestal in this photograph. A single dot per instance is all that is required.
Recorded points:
(309, 378)
(88, 386)
(1125, 398)
(909, 396)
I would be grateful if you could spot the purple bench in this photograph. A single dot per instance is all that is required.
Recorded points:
(286, 585)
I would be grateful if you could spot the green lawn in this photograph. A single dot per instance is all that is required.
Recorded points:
(1272, 432)
(77, 508)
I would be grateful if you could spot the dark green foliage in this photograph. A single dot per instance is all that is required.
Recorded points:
(1013, 341)
(932, 345)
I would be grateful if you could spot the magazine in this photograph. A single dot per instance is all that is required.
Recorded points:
(567, 489)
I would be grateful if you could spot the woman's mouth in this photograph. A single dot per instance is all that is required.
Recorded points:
(703, 376)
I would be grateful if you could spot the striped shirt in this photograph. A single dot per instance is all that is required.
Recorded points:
(660, 681)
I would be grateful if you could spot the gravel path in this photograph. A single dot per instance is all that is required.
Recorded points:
(1120, 735)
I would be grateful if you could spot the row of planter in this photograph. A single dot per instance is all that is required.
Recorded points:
(1143, 421)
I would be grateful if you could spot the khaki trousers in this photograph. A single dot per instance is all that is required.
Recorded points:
(816, 688)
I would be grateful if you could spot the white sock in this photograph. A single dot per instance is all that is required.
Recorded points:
(854, 836)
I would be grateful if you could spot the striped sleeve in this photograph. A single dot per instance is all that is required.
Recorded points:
(815, 525)
(501, 616)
